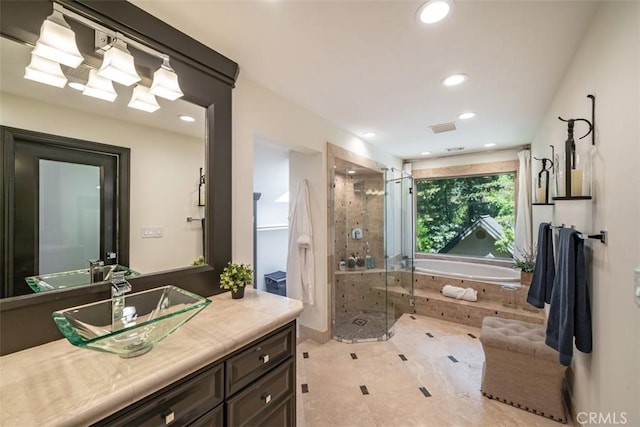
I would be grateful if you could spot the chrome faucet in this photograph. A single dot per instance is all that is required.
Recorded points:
(119, 287)
(96, 272)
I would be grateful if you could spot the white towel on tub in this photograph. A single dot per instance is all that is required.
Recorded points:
(468, 294)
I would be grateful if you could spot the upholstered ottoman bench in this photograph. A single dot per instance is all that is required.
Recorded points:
(520, 369)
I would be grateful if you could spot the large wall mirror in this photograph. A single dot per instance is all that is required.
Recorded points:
(166, 155)
(167, 160)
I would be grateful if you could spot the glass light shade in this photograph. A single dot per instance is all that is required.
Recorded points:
(45, 71)
(57, 41)
(165, 82)
(143, 100)
(99, 87)
(118, 65)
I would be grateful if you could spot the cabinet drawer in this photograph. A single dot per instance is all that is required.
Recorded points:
(213, 418)
(253, 362)
(262, 399)
(175, 405)
(281, 416)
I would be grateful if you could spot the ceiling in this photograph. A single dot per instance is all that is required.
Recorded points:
(371, 66)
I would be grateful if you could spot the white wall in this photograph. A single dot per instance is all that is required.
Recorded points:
(260, 113)
(467, 159)
(606, 65)
(164, 176)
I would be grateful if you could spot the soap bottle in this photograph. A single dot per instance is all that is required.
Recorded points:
(369, 261)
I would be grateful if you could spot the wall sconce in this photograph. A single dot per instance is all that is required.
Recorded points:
(57, 45)
(201, 190)
(577, 170)
(543, 181)
(143, 100)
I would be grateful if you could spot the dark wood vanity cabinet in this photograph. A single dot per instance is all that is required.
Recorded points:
(253, 386)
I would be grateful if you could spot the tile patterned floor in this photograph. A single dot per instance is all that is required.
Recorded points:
(427, 374)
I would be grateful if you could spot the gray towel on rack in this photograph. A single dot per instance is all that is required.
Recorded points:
(545, 270)
(570, 311)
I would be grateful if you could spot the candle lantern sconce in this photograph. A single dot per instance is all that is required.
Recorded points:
(577, 171)
(543, 181)
(201, 189)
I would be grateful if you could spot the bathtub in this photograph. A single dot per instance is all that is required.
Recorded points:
(466, 270)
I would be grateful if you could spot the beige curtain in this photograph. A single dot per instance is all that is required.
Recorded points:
(523, 239)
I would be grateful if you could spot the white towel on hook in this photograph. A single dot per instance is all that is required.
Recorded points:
(300, 262)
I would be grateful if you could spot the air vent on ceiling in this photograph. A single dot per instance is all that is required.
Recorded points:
(452, 149)
(443, 127)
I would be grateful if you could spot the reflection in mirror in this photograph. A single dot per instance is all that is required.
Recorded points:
(166, 154)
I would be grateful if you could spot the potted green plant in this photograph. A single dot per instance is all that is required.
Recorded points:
(235, 277)
(526, 262)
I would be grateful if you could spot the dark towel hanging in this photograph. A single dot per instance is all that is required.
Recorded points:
(545, 270)
(570, 311)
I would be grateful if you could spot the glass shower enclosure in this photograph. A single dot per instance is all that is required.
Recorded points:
(371, 215)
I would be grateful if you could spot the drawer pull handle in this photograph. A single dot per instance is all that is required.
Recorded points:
(264, 358)
(169, 416)
(266, 397)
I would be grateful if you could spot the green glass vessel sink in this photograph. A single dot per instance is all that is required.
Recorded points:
(130, 325)
(70, 279)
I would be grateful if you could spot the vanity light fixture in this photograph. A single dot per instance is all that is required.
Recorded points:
(491, 144)
(467, 115)
(99, 87)
(45, 71)
(434, 11)
(143, 100)
(77, 85)
(57, 41)
(79, 77)
(118, 64)
(455, 79)
(351, 172)
(369, 134)
(165, 82)
(425, 153)
(186, 118)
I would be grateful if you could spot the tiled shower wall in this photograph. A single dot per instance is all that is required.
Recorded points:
(359, 202)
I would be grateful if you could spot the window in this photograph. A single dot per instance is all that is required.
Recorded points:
(470, 216)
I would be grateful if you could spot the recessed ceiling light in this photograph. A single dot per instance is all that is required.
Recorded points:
(491, 144)
(425, 153)
(351, 171)
(369, 134)
(185, 118)
(434, 11)
(466, 116)
(454, 79)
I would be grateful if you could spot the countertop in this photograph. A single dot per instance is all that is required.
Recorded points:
(59, 384)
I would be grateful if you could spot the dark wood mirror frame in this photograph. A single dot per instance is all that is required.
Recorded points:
(207, 79)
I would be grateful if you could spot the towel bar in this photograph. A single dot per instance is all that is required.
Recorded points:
(602, 236)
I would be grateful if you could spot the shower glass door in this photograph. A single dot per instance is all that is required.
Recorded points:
(399, 237)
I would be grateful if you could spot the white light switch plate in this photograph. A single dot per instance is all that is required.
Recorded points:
(150, 232)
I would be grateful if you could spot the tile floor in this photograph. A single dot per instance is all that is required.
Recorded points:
(427, 374)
